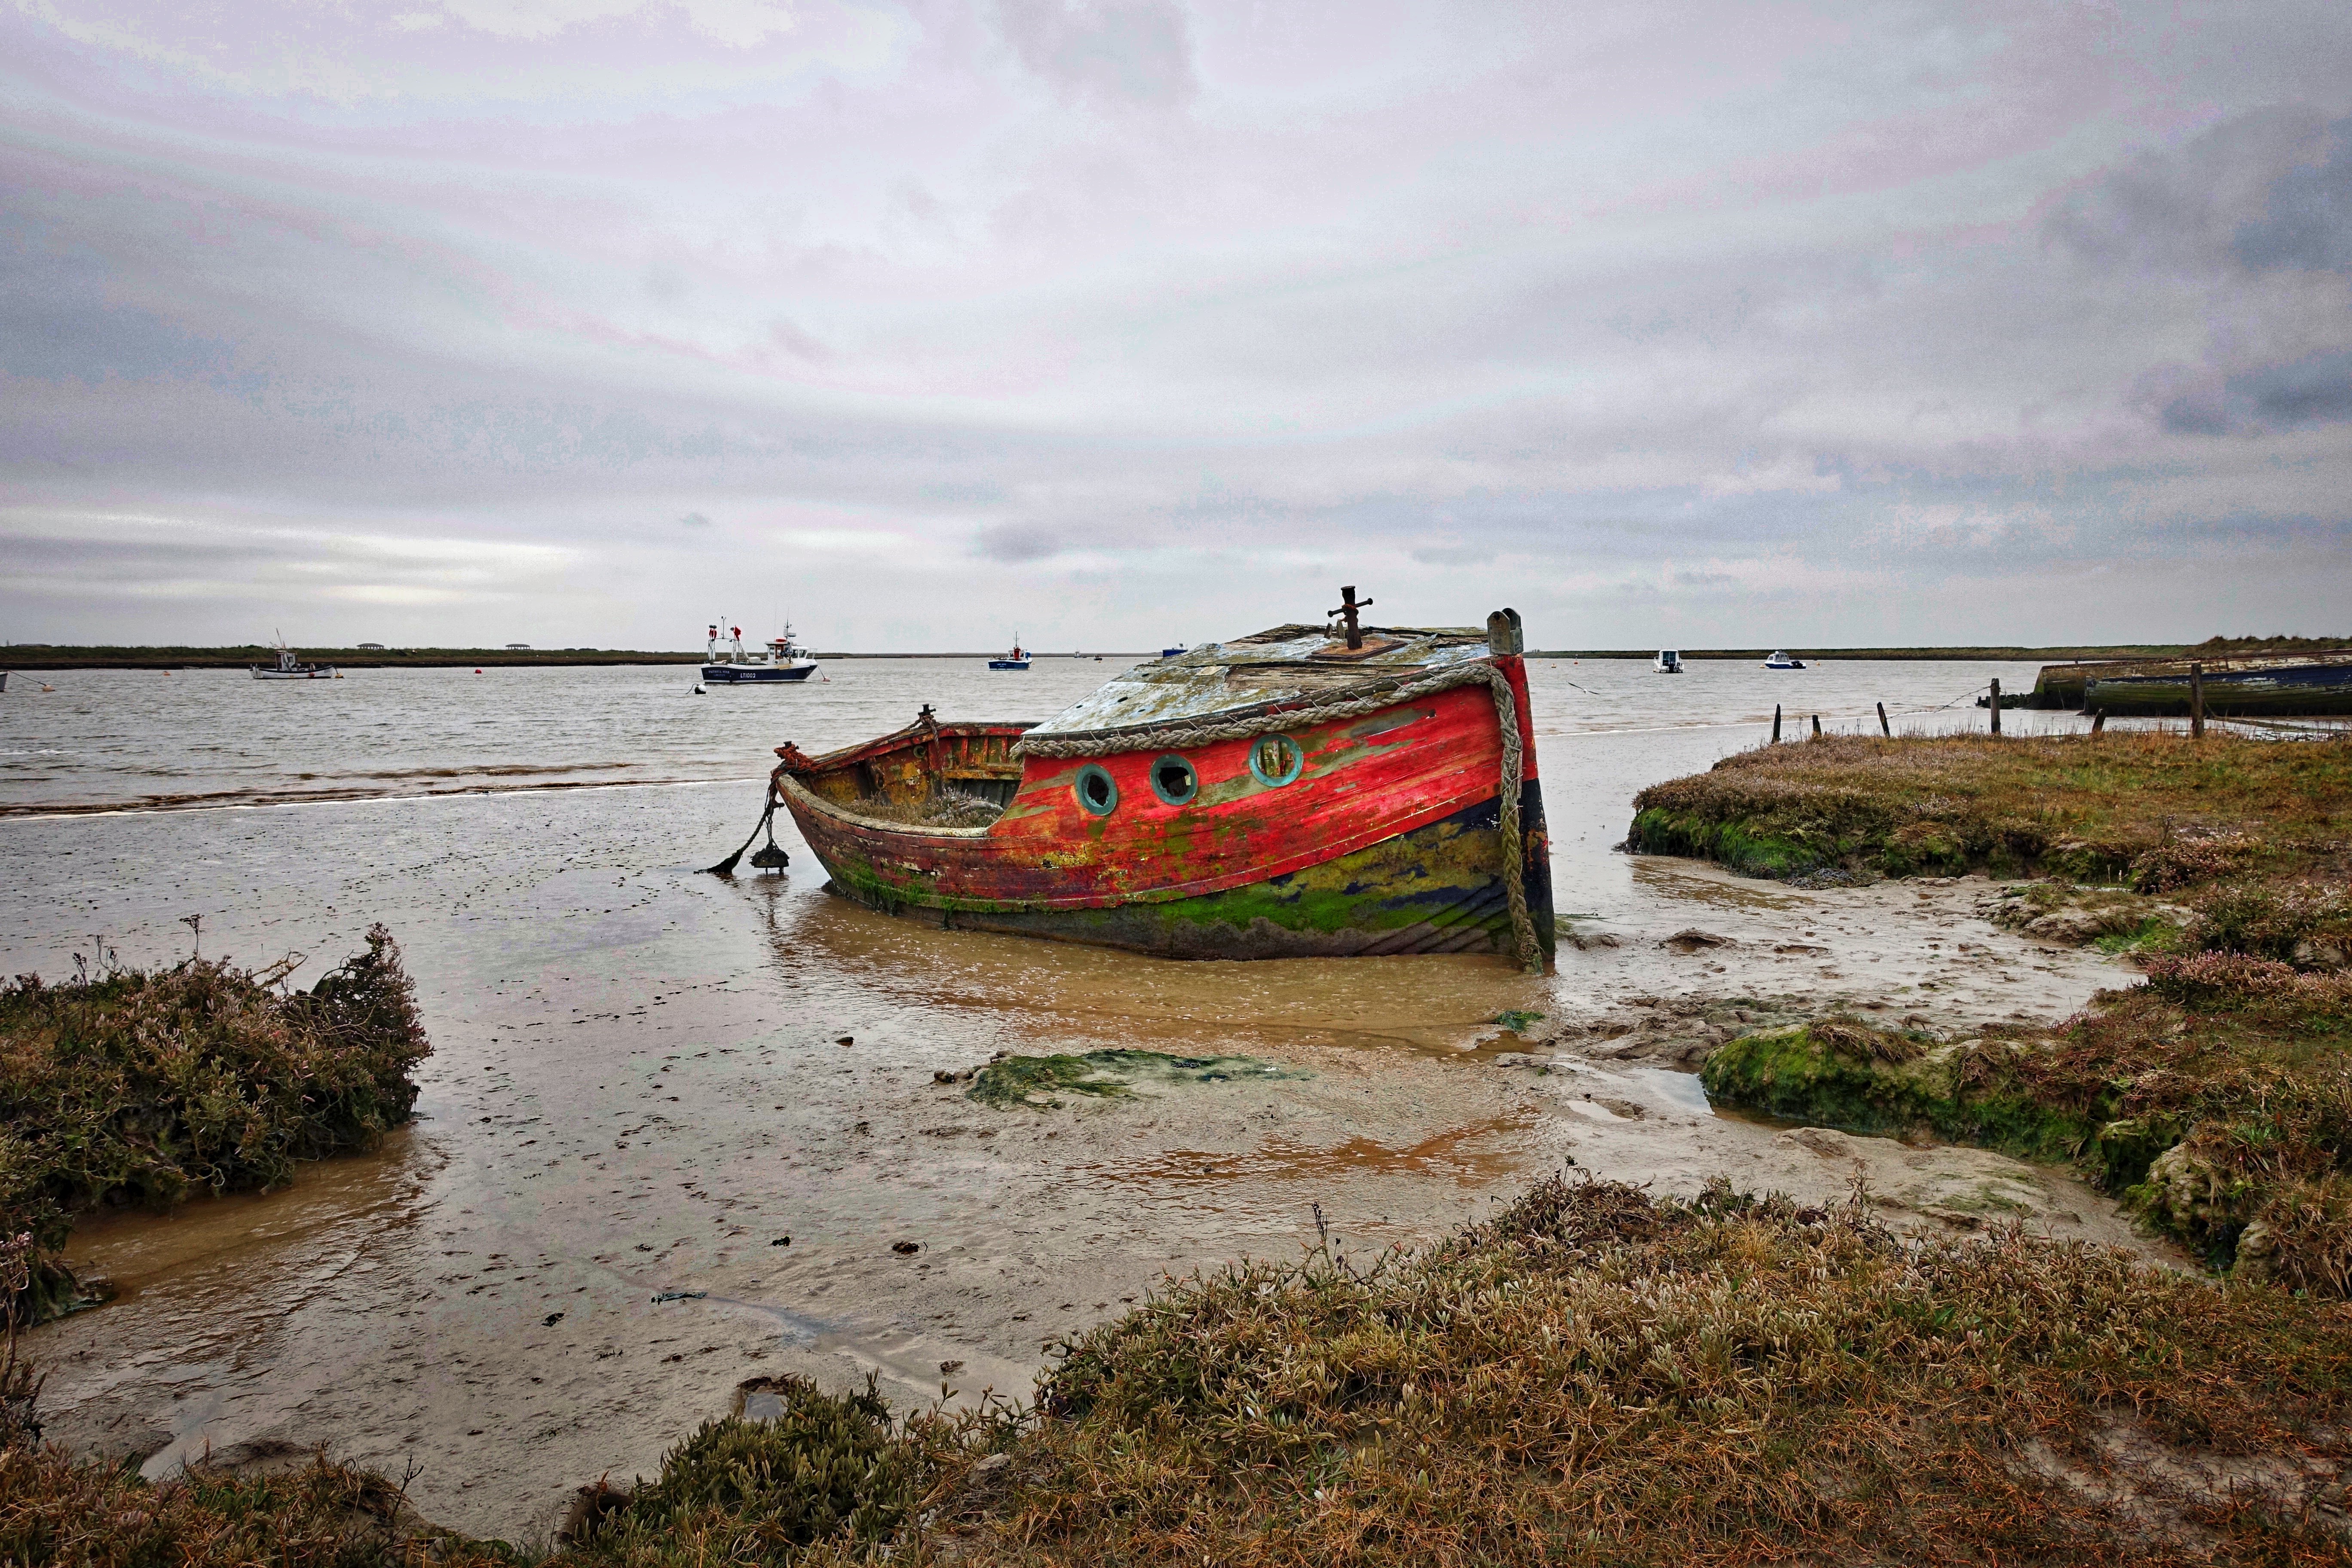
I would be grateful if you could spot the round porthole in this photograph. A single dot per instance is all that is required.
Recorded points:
(1173, 780)
(1276, 761)
(1095, 790)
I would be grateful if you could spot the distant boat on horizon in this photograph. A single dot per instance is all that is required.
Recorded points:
(1017, 659)
(1782, 661)
(1668, 662)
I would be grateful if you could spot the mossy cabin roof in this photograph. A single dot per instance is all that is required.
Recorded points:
(1281, 664)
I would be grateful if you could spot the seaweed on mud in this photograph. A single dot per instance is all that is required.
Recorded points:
(1104, 1075)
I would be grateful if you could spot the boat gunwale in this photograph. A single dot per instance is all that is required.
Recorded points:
(791, 787)
(859, 751)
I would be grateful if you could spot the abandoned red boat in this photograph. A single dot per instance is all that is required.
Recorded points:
(1309, 790)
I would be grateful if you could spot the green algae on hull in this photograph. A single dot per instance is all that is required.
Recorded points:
(1105, 1074)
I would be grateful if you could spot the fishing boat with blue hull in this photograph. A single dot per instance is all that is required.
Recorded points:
(782, 661)
(1306, 791)
(1017, 659)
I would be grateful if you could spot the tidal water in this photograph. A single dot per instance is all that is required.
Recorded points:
(645, 1078)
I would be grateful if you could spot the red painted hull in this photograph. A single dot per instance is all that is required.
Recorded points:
(1245, 856)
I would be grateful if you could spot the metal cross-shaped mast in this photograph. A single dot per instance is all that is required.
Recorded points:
(1349, 605)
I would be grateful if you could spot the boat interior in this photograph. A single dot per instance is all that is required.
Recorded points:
(927, 775)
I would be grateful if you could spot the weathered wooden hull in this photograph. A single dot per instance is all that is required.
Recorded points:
(2312, 691)
(1387, 839)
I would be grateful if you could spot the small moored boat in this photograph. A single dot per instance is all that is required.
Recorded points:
(1668, 662)
(1017, 659)
(732, 666)
(1304, 791)
(1782, 661)
(288, 667)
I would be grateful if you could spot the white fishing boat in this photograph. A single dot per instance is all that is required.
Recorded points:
(781, 661)
(1782, 661)
(288, 667)
(1668, 662)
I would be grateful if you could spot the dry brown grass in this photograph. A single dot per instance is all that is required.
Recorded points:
(2163, 810)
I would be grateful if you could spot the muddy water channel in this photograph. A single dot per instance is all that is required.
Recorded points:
(677, 1131)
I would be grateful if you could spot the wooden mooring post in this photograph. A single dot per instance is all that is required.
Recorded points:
(1996, 705)
(1883, 728)
(2196, 699)
(1817, 726)
(1775, 723)
(2098, 721)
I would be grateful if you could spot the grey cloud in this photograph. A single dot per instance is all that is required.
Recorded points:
(2209, 204)
(2316, 389)
(694, 520)
(1116, 51)
(1017, 543)
(2308, 222)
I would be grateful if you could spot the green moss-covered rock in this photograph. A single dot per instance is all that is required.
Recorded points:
(1823, 1073)
(1858, 1079)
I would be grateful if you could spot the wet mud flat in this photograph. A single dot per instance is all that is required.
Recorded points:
(678, 1132)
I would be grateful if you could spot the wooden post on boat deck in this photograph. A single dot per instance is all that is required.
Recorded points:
(1349, 605)
(2196, 699)
(1883, 728)
(1775, 723)
(1996, 705)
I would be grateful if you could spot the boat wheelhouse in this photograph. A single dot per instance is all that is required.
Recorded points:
(1306, 791)
(781, 661)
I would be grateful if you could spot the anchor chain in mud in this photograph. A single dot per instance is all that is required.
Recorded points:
(1193, 734)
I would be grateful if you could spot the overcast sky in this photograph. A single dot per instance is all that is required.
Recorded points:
(587, 322)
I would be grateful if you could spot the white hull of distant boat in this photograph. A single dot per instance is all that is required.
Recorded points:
(1782, 661)
(1668, 662)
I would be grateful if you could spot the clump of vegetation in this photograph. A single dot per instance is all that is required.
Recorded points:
(2217, 1098)
(829, 1468)
(2159, 811)
(1598, 1377)
(141, 1088)
(54, 1508)
(1103, 1075)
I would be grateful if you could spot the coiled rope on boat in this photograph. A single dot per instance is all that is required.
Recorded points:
(1194, 732)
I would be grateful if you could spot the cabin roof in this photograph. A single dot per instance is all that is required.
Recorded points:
(1280, 664)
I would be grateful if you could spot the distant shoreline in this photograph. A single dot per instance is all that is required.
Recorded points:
(51, 656)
